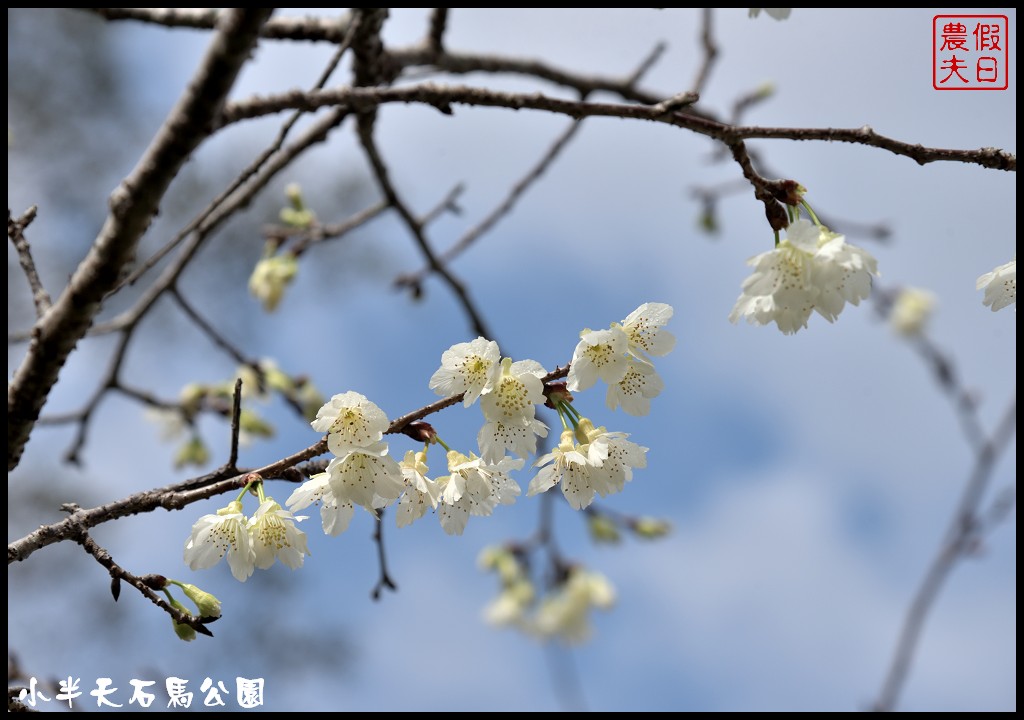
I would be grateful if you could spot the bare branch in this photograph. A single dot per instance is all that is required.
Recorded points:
(959, 542)
(142, 584)
(646, 64)
(415, 280)
(380, 171)
(988, 157)
(16, 233)
(317, 133)
(133, 205)
(501, 210)
(773, 194)
(211, 332)
(313, 29)
(447, 204)
(707, 41)
(438, 23)
(384, 582)
(247, 173)
(84, 416)
(236, 425)
(320, 233)
(466, 63)
(443, 97)
(373, 65)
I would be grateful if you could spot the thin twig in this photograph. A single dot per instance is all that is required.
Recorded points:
(469, 63)
(501, 210)
(83, 416)
(959, 542)
(282, 28)
(415, 279)
(16, 233)
(385, 581)
(118, 574)
(322, 233)
(707, 41)
(380, 171)
(236, 425)
(250, 170)
(773, 194)
(449, 203)
(748, 100)
(217, 339)
(317, 133)
(645, 65)
(435, 36)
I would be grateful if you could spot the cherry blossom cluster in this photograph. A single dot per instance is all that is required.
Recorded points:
(247, 542)
(812, 269)
(561, 613)
(588, 461)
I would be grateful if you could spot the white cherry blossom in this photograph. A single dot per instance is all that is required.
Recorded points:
(1000, 286)
(274, 536)
(470, 368)
(224, 533)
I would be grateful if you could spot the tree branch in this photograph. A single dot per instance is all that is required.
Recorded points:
(143, 584)
(215, 337)
(707, 40)
(16, 233)
(384, 581)
(247, 173)
(313, 29)
(959, 542)
(317, 133)
(415, 227)
(414, 280)
(319, 233)
(443, 97)
(132, 207)
(438, 24)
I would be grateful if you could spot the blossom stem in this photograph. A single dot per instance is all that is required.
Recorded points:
(565, 409)
(793, 212)
(442, 443)
(246, 489)
(574, 415)
(810, 212)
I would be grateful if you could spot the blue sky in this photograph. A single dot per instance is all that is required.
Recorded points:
(809, 478)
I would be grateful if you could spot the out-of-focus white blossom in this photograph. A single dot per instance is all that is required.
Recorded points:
(911, 310)
(777, 13)
(565, 613)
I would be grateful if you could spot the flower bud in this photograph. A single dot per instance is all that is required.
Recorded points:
(185, 632)
(650, 528)
(193, 452)
(603, 529)
(208, 605)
